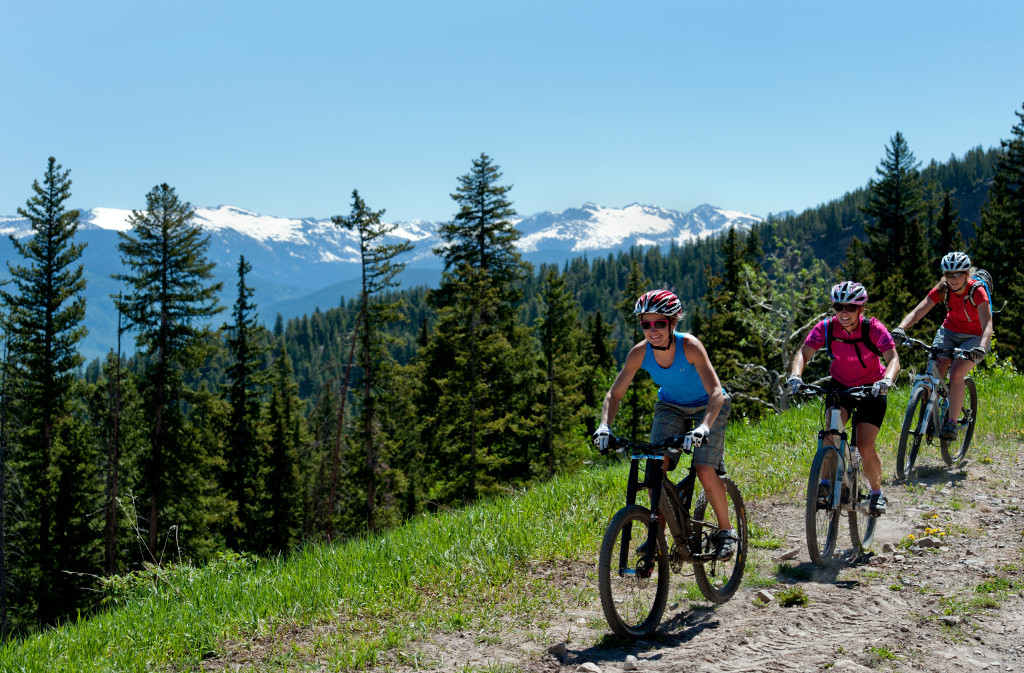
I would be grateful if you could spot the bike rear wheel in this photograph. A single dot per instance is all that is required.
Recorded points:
(858, 537)
(632, 602)
(954, 450)
(822, 524)
(914, 424)
(719, 580)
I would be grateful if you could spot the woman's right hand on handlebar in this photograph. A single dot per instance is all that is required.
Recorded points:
(795, 383)
(698, 435)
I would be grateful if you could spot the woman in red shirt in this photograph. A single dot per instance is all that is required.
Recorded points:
(968, 325)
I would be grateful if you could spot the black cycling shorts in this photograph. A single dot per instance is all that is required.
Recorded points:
(868, 410)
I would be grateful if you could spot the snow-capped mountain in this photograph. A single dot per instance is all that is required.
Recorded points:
(299, 264)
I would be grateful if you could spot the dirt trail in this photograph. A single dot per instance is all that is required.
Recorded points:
(885, 610)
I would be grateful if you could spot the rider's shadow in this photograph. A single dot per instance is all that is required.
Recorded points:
(937, 476)
(808, 572)
(681, 628)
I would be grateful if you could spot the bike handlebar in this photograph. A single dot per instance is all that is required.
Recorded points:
(669, 445)
(856, 392)
(934, 351)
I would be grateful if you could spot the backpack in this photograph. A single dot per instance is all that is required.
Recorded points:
(980, 278)
(868, 343)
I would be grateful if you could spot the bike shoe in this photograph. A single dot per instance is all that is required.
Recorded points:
(845, 496)
(641, 551)
(824, 496)
(725, 544)
(949, 430)
(877, 505)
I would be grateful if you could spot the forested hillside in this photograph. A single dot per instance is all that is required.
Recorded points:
(353, 419)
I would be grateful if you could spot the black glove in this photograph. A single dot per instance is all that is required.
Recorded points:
(899, 336)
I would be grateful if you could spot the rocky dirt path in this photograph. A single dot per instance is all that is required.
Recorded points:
(955, 606)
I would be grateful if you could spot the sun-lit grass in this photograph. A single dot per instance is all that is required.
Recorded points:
(470, 569)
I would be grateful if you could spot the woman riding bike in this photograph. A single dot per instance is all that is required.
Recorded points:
(856, 346)
(690, 394)
(968, 325)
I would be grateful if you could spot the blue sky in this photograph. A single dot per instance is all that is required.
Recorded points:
(285, 108)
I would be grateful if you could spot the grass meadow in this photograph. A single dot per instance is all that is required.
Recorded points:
(446, 571)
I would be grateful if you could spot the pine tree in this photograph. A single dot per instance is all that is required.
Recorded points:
(947, 231)
(1000, 238)
(896, 200)
(245, 449)
(561, 338)
(378, 270)
(479, 368)
(45, 309)
(170, 298)
(637, 409)
(285, 421)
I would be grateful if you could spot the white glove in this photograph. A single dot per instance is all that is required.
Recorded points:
(881, 387)
(795, 384)
(699, 435)
(601, 436)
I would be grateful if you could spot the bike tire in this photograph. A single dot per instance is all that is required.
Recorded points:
(861, 539)
(822, 525)
(633, 605)
(914, 424)
(953, 451)
(719, 580)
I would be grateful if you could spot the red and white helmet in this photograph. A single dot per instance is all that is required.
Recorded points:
(955, 261)
(662, 302)
(849, 292)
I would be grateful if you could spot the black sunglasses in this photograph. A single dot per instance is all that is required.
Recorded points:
(657, 324)
(955, 275)
(849, 308)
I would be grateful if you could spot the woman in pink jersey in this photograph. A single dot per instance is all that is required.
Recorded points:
(690, 399)
(857, 346)
(968, 325)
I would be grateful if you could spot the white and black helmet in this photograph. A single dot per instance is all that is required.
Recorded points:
(955, 261)
(662, 302)
(849, 292)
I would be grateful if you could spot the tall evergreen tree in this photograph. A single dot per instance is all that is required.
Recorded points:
(378, 269)
(947, 230)
(170, 299)
(637, 408)
(1000, 238)
(45, 309)
(245, 448)
(479, 368)
(565, 377)
(285, 421)
(896, 200)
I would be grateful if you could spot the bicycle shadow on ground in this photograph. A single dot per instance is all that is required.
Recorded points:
(935, 475)
(682, 627)
(807, 572)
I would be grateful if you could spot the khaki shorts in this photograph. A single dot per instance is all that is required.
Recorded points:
(672, 419)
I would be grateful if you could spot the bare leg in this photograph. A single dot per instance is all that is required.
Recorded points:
(714, 489)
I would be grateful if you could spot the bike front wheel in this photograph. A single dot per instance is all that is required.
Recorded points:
(914, 423)
(719, 580)
(822, 520)
(954, 450)
(633, 598)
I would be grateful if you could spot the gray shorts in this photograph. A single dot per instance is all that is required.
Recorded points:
(672, 419)
(947, 340)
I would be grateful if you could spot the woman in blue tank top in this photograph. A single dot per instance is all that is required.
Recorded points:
(690, 399)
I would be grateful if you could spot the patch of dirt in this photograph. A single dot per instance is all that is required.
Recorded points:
(861, 610)
(898, 607)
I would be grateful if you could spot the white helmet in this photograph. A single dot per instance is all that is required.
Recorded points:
(849, 292)
(955, 261)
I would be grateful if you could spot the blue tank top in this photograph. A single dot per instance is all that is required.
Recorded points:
(680, 383)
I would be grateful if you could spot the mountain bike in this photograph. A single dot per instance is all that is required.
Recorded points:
(837, 469)
(926, 411)
(633, 566)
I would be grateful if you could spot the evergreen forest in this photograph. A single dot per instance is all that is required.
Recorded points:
(227, 431)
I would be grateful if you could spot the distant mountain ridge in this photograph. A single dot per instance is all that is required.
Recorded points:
(299, 264)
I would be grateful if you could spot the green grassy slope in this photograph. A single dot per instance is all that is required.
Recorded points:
(442, 571)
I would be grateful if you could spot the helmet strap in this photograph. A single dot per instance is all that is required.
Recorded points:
(671, 340)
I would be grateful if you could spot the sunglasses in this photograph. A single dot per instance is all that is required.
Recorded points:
(657, 324)
(849, 308)
(955, 276)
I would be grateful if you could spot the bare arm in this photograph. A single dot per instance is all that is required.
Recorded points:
(613, 397)
(985, 318)
(800, 360)
(892, 367)
(920, 311)
(695, 354)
